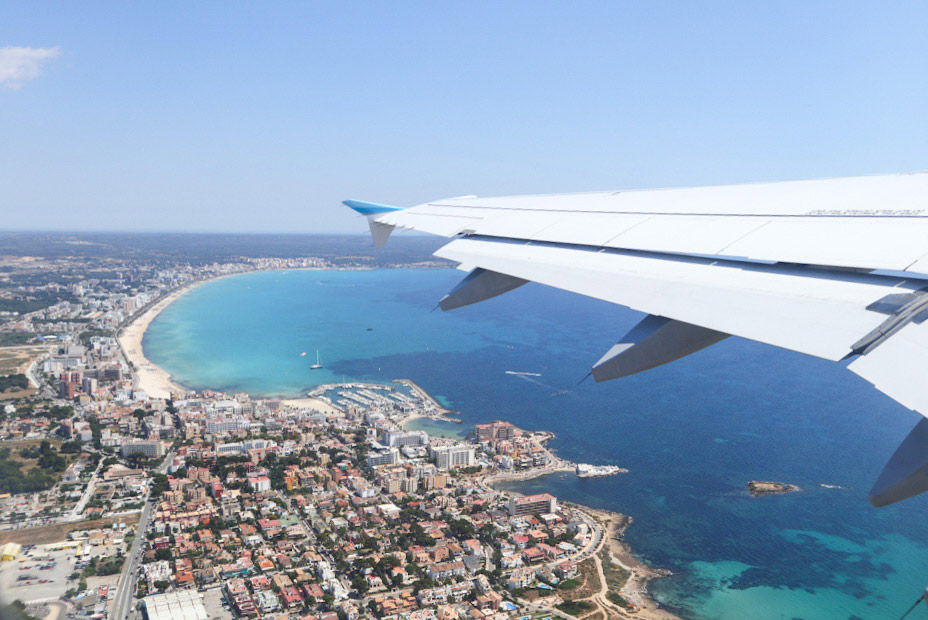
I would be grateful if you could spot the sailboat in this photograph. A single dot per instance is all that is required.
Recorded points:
(317, 365)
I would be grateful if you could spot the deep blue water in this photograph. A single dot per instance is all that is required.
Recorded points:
(692, 432)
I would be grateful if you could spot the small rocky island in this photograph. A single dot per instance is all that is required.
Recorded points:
(759, 488)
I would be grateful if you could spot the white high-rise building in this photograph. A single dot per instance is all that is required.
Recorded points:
(451, 457)
(400, 438)
(150, 449)
(226, 425)
(388, 457)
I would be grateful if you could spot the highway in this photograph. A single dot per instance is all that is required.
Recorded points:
(122, 605)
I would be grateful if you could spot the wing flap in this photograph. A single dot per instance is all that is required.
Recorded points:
(899, 367)
(785, 306)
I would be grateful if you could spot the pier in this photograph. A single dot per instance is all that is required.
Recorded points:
(436, 412)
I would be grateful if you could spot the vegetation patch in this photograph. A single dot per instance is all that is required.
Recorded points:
(616, 599)
(32, 302)
(13, 339)
(30, 467)
(569, 584)
(576, 608)
(616, 576)
(103, 567)
(14, 382)
(587, 582)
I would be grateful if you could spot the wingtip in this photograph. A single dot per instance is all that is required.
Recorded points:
(369, 208)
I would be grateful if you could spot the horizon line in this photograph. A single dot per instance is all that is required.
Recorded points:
(186, 232)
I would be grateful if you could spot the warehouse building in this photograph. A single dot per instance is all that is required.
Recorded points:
(180, 605)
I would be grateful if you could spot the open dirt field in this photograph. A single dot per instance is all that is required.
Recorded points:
(44, 534)
(17, 359)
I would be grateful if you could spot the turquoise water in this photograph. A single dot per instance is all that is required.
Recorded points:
(247, 333)
(440, 428)
(692, 433)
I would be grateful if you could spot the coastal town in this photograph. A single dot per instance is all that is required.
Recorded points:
(125, 496)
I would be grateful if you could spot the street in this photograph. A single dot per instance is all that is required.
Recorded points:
(122, 605)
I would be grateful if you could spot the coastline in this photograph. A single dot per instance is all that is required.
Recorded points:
(616, 550)
(610, 548)
(153, 380)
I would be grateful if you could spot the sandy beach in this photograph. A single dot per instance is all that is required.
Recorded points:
(312, 403)
(148, 377)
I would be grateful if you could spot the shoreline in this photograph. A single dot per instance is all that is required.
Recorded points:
(152, 379)
(611, 546)
(147, 376)
(614, 547)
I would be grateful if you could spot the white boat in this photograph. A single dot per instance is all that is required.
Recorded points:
(317, 365)
(585, 470)
(303, 354)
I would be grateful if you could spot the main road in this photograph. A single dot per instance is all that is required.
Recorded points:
(122, 605)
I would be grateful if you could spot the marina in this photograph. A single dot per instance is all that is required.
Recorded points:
(401, 397)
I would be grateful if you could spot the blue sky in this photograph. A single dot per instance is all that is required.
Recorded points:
(264, 116)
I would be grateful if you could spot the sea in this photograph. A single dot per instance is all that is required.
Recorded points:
(692, 433)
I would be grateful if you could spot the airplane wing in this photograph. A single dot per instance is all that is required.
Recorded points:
(835, 268)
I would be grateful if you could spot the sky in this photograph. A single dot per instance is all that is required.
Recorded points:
(249, 116)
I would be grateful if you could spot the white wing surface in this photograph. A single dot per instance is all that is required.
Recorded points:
(833, 268)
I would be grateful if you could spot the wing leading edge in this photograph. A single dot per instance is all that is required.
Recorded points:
(833, 268)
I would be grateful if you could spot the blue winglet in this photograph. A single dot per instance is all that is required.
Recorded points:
(369, 208)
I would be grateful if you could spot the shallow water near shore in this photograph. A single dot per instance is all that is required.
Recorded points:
(693, 433)
(439, 428)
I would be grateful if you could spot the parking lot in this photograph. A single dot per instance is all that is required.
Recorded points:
(26, 581)
(212, 601)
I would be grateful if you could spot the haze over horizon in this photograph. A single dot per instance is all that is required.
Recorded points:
(262, 118)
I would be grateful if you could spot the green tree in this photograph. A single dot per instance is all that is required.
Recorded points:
(360, 584)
